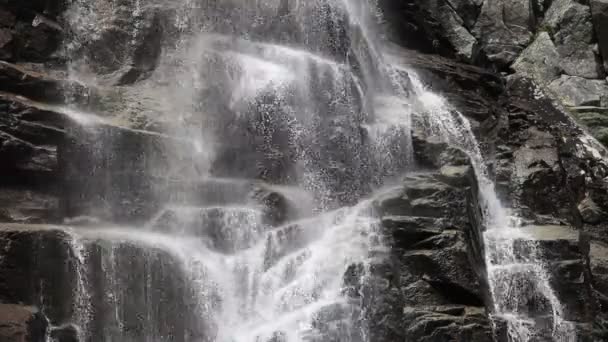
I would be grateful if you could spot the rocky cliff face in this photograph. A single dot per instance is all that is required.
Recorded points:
(518, 70)
(560, 45)
(550, 59)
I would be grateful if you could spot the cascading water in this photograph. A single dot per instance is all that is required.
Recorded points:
(281, 99)
(283, 92)
(518, 279)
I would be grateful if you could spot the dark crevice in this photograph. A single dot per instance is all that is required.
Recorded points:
(456, 294)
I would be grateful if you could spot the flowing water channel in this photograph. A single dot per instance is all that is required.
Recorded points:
(518, 278)
(287, 92)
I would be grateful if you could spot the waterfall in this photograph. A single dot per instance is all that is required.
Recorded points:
(278, 120)
(518, 278)
(282, 103)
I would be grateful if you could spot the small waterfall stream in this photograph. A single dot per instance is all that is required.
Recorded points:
(292, 97)
(518, 278)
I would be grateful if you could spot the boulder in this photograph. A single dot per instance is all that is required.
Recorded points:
(570, 24)
(455, 175)
(468, 10)
(576, 91)
(504, 29)
(590, 211)
(21, 324)
(393, 202)
(539, 61)
(463, 43)
(29, 31)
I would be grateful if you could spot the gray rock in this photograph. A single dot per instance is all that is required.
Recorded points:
(417, 186)
(599, 11)
(575, 91)
(468, 10)
(393, 202)
(433, 151)
(455, 175)
(590, 211)
(539, 61)
(45, 254)
(570, 24)
(461, 39)
(503, 29)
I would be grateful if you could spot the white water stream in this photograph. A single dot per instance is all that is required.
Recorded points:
(237, 278)
(518, 277)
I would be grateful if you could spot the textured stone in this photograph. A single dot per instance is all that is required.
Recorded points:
(446, 323)
(504, 29)
(455, 175)
(18, 79)
(468, 10)
(590, 211)
(572, 29)
(38, 269)
(577, 91)
(461, 39)
(539, 61)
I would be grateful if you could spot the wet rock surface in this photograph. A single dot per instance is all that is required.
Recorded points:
(428, 287)
(545, 167)
(45, 267)
(428, 284)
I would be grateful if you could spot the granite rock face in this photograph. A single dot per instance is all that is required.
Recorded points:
(545, 166)
(427, 284)
(561, 45)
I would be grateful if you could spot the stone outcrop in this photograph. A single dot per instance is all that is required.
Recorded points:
(504, 29)
(69, 277)
(545, 166)
(30, 32)
(570, 25)
(561, 45)
(429, 286)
